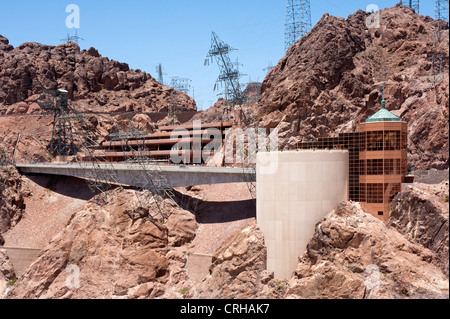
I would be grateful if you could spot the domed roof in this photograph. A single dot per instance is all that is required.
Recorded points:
(383, 115)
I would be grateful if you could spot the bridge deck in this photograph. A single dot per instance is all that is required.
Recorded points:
(128, 174)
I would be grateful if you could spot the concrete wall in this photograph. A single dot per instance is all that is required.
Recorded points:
(294, 191)
(21, 258)
(198, 266)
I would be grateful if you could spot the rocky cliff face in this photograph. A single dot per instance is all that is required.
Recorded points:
(420, 213)
(95, 83)
(236, 269)
(107, 252)
(351, 255)
(331, 80)
(354, 255)
(7, 273)
(11, 199)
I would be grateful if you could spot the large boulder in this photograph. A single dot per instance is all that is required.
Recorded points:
(354, 255)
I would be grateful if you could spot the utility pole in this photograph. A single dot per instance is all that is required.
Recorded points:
(298, 21)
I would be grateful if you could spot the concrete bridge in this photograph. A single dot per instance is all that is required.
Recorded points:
(131, 174)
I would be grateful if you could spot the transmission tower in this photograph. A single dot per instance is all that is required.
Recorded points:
(229, 72)
(440, 14)
(70, 39)
(413, 4)
(269, 67)
(56, 103)
(180, 84)
(437, 65)
(153, 188)
(160, 73)
(441, 22)
(298, 21)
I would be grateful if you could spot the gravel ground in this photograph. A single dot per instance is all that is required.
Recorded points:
(223, 210)
(52, 202)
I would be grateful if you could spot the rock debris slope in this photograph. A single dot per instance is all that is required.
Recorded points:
(420, 213)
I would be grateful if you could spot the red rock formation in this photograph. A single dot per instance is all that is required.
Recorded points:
(117, 254)
(11, 199)
(354, 255)
(420, 213)
(331, 80)
(94, 82)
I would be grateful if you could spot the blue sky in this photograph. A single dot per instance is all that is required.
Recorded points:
(175, 33)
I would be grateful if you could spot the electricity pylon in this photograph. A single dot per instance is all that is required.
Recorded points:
(298, 21)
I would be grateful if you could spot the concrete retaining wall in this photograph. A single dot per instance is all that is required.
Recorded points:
(198, 266)
(21, 258)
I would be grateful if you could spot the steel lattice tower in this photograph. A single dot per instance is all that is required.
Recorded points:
(180, 84)
(437, 60)
(298, 21)
(229, 72)
(440, 14)
(442, 10)
(56, 103)
(413, 4)
(70, 39)
(160, 73)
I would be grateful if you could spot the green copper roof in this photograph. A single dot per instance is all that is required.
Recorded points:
(383, 115)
